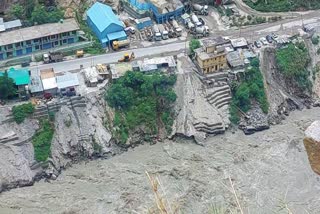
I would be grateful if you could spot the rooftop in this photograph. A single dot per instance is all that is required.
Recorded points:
(214, 41)
(67, 80)
(200, 52)
(102, 16)
(239, 42)
(9, 25)
(37, 31)
(165, 6)
(234, 59)
(20, 77)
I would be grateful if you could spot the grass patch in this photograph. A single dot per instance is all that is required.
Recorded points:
(42, 140)
(21, 112)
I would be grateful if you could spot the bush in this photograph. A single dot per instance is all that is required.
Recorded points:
(20, 112)
(42, 140)
(293, 62)
(251, 87)
(282, 5)
(315, 40)
(141, 100)
(194, 44)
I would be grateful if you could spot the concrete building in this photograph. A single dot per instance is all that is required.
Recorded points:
(239, 43)
(21, 78)
(49, 82)
(162, 10)
(154, 64)
(105, 24)
(211, 57)
(40, 37)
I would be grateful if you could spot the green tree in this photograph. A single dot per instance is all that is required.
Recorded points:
(194, 44)
(41, 16)
(7, 87)
(17, 11)
(29, 6)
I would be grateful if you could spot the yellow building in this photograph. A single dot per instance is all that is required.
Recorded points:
(211, 57)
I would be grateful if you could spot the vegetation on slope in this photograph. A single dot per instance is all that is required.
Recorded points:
(283, 5)
(32, 12)
(20, 112)
(292, 62)
(42, 140)
(141, 101)
(250, 89)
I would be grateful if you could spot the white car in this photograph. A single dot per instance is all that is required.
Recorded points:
(264, 41)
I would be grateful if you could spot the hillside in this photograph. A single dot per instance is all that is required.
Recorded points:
(282, 5)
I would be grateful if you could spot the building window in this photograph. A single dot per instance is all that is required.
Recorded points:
(56, 43)
(52, 36)
(9, 54)
(37, 47)
(36, 40)
(9, 47)
(64, 41)
(64, 34)
(28, 42)
(18, 45)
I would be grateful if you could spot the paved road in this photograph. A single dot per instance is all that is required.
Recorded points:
(250, 32)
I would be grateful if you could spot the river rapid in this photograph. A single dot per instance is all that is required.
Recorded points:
(269, 170)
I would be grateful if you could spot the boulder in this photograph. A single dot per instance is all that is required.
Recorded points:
(312, 145)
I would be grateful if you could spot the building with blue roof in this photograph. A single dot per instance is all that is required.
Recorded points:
(105, 24)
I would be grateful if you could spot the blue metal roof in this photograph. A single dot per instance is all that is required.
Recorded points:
(117, 35)
(102, 16)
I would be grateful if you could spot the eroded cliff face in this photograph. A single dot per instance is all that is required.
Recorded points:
(312, 145)
(79, 135)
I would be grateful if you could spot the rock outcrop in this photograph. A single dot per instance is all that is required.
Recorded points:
(79, 135)
(312, 145)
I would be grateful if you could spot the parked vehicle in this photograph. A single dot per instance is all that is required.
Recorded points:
(264, 41)
(163, 31)
(127, 57)
(176, 27)
(120, 44)
(195, 20)
(69, 92)
(201, 31)
(130, 30)
(258, 44)
(52, 57)
(156, 33)
(269, 38)
(200, 10)
(274, 36)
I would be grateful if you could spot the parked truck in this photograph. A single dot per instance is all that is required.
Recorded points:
(200, 10)
(52, 57)
(201, 31)
(156, 33)
(190, 25)
(116, 45)
(195, 20)
(163, 31)
(176, 27)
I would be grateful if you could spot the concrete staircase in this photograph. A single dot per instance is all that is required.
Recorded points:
(216, 128)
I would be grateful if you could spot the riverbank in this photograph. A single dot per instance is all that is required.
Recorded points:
(269, 169)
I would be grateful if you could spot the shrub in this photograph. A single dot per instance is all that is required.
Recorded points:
(315, 40)
(42, 140)
(20, 112)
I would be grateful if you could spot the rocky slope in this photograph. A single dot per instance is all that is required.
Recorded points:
(270, 172)
(79, 135)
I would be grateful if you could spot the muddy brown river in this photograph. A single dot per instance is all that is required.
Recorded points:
(269, 170)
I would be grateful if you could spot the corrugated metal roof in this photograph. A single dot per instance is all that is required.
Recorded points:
(13, 24)
(20, 77)
(49, 83)
(102, 16)
(117, 35)
(67, 80)
(37, 31)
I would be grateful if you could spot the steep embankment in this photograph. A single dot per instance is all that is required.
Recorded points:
(79, 134)
(270, 171)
